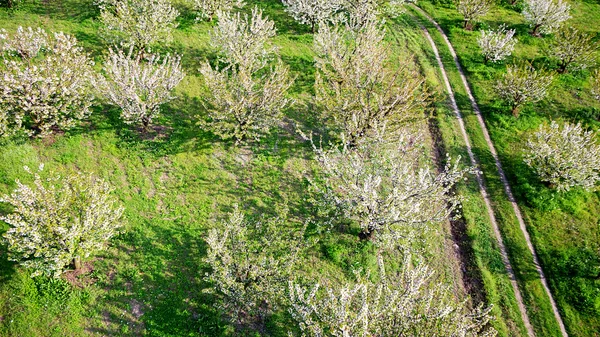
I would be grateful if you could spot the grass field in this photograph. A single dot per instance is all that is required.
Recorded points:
(175, 184)
(564, 227)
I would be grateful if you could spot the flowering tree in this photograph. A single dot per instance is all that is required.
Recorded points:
(59, 220)
(382, 187)
(137, 23)
(523, 84)
(565, 156)
(573, 49)
(312, 12)
(545, 16)
(250, 265)
(45, 82)
(248, 95)
(355, 87)
(411, 304)
(138, 85)
(497, 45)
(596, 84)
(209, 8)
(472, 10)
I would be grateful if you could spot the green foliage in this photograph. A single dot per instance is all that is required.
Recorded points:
(556, 222)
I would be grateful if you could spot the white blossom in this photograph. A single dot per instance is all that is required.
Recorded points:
(595, 81)
(523, 84)
(59, 220)
(138, 23)
(385, 189)
(472, 10)
(565, 156)
(355, 87)
(497, 45)
(545, 16)
(409, 304)
(45, 83)
(250, 265)
(209, 8)
(394, 8)
(140, 84)
(573, 49)
(247, 95)
(26, 42)
(313, 12)
(244, 41)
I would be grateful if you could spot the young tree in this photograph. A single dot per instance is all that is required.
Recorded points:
(472, 10)
(60, 220)
(209, 8)
(242, 41)
(497, 45)
(545, 16)
(137, 23)
(250, 266)
(313, 12)
(523, 84)
(248, 95)
(596, 84)
(565, 156)
(140, 85)
(411, 304)
(45, 83)
(573, 49)
(355, 87)
(385, 189)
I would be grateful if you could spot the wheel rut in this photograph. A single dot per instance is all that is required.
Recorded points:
(502, 175)
(482, 188)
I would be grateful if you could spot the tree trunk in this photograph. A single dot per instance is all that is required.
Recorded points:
(367, 234)
(515, 111)
(535, 32)
(146, 124)
(77, 262)
(468, 25)
(563, 67)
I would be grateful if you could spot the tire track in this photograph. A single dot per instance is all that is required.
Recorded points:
(482, 188)
(503, 179)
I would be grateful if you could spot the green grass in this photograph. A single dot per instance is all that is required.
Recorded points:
(486, 259)
(174, 185)
(564, 227)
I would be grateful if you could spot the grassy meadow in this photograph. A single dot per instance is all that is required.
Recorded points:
(564, 227)
(176, 182)
(179, 180)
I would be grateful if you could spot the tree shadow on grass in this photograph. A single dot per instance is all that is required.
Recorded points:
(93, 43)
(7, 268)
(157, 287)
(304, 70)
(175, 130)
(274, 9)
(72, 10)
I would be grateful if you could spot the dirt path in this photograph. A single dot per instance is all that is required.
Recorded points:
(505, 183)
(482, 188)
